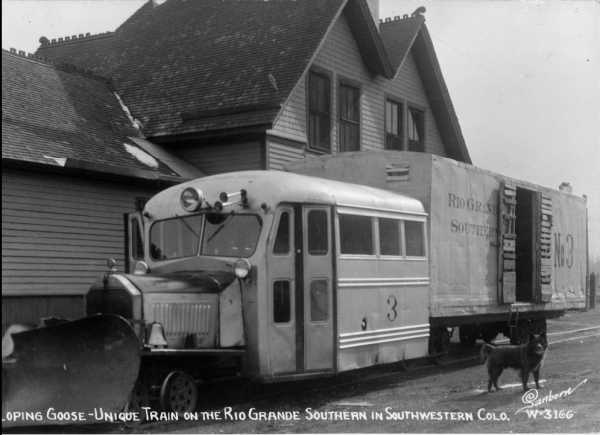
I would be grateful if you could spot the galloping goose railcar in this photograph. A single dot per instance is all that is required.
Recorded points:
(274, 275)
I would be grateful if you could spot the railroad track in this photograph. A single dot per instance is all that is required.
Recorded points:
(242, 395)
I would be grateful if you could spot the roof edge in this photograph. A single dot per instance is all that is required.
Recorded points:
(45, 61)
(446, 118)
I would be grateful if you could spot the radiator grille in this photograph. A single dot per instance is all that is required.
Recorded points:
(182, 319)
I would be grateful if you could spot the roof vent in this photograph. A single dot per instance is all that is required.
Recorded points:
(566, 187)
(44, 40)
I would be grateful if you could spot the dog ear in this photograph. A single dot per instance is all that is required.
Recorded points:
(543, 335)
(531, 336)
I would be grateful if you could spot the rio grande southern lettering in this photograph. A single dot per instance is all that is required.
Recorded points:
(475, 206)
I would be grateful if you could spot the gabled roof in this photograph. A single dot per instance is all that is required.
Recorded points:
(191, 57)
(65, 118)
(401, 36)
(216, 65)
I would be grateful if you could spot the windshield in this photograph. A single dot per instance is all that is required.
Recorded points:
(224, 235)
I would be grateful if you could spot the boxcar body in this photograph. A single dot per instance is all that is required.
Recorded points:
(503, 252)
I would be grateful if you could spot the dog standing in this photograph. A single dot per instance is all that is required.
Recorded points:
(527, 358)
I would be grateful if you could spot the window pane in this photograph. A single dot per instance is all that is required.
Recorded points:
(282, 302)
(394, 143)
(231, 235)
(413, 232)
(137, 246)
(356, 235)
(389, 236)
(282, 239)
(319, 111)
(175, 238)
(388, 117)
(318, 240)
(319, 301)
(416, 125)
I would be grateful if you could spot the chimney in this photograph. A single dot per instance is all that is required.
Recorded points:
(566, 187)
(374, 8)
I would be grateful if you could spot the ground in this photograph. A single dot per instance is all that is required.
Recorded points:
(448, 393)
(389, 400)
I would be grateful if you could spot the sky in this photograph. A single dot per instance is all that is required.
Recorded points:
(524, 77)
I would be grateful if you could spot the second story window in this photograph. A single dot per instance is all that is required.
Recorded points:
(349, 137)
(393, 125)
(319, 108)
(416, 130)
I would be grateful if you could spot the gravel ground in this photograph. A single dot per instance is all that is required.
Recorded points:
(388, 401)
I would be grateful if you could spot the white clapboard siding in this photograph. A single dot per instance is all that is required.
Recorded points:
(57, 233)
(221, 158)
(280, 155)
(340, 56)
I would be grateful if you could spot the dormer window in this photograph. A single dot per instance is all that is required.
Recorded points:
(319, 110)
(416, 130)
(349, 137)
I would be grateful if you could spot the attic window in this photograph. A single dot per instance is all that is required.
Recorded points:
(319, 108)
(393, 125)
(416, 130)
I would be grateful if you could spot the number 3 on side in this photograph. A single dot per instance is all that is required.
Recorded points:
(393, 304)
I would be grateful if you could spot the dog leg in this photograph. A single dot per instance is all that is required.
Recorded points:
(494, 376)
(536, 375)
(525, 379)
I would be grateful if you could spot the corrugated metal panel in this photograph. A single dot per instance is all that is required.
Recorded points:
(57, 232)
(221, 158)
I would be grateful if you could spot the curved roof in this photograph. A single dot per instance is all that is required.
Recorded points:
(274, 187)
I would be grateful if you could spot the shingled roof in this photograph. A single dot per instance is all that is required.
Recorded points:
(191, 57)
(64, 118)
(208, 65)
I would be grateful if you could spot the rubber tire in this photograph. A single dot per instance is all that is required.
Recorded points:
(178, 393)
(138, 399)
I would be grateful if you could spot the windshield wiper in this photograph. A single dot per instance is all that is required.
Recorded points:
(219, 229)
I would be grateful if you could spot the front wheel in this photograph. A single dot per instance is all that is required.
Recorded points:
(138, 400)
(178, 393)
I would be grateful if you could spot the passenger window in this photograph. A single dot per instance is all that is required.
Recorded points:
(282, 301)
(415, 246)
(282, 239)
(318, 239)
(389, 236)
(319, 301)
(356, 235)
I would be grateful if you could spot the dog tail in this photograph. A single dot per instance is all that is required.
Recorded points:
(486, 350)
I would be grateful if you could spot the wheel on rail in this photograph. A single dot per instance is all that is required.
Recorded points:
(439, 345)
(178, 393)
(408, 365)
(138, 399)
(468, 335)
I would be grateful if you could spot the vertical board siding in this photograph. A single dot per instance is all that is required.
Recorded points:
(280, 155)
(58, 232)
(341, 56)
(221, 158)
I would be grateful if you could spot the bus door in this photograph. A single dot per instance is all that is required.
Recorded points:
(317, 303)
(300, 258)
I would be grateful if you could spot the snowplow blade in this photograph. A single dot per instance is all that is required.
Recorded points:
(82, 366)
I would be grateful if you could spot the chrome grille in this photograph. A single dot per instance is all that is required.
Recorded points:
(182, 319)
